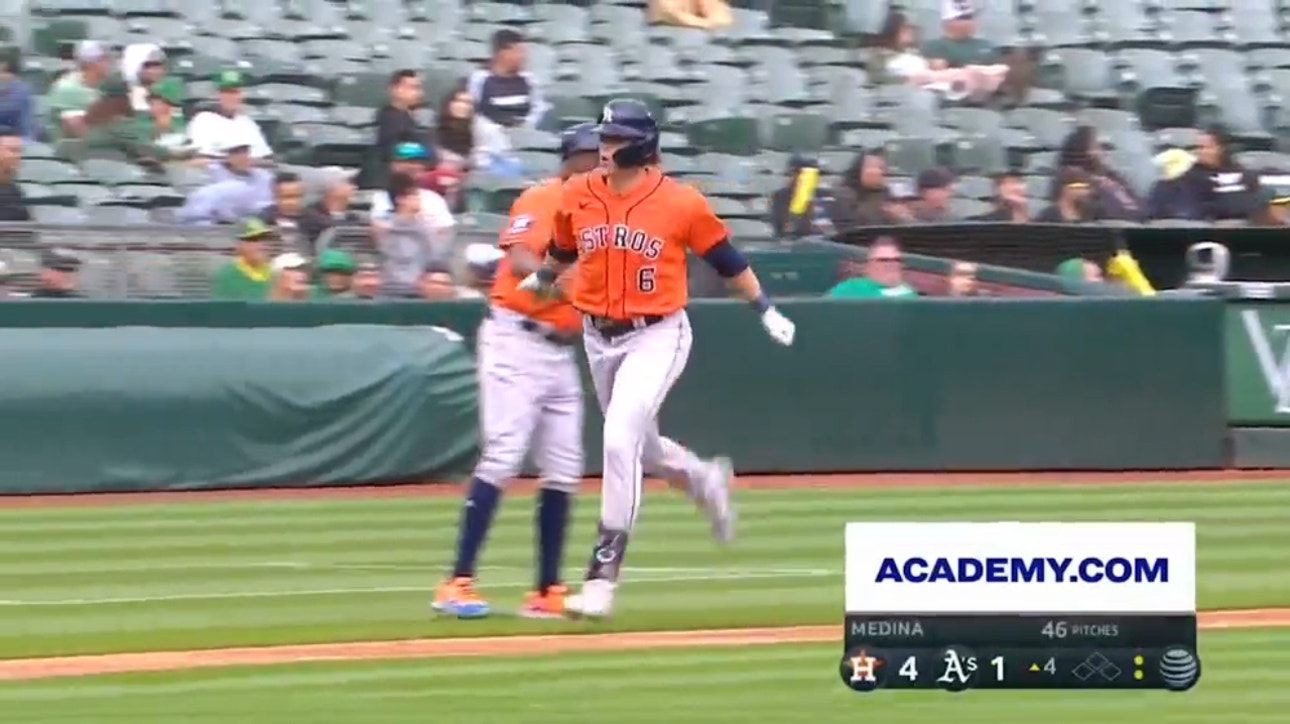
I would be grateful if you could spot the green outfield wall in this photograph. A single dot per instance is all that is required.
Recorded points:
(176, 395)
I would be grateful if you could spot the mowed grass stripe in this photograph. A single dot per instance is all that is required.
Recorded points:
(169, 604)
(769, 683)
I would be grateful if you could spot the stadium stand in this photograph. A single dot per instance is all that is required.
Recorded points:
(784, 80)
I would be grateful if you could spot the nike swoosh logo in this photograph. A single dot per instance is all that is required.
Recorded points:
(583, 204)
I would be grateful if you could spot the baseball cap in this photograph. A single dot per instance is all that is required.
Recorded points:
(481, 254)
(335, 260)
(410, 151)
(114, 86)
(89, 51)
(230, 79)
(934, 178)
(170, 90)
(957, 10)
(155, 56)
(59, 260)
(289, 260)
(1273, 196)
(253, 229)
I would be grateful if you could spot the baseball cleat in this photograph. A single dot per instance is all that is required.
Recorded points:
(546, 603)
(595, 601)
(714, 499)
(457, 597)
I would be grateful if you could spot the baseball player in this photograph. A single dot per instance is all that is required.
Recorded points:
(628, 227)
(530, 393)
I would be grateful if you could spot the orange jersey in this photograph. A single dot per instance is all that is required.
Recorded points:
(632, 247)
(532, 224)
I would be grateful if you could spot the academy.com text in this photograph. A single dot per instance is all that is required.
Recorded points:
(965, 569)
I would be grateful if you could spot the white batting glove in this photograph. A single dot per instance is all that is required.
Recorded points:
(780, 328)
(541, 283)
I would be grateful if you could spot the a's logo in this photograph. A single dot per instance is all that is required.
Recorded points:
(958, 669)
(1273, 356)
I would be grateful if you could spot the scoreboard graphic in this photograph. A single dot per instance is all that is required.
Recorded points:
(958, 606)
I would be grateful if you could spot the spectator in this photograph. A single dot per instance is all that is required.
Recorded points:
(1273, 209)
(58, 271)
(17, 104)
(110, 126)
(410, 159)
(897, 59)
(1223, 188)
(1171, 197)
(960, 48)
(212, 130)
(505, 97)
(332, 209)
(884, 274)
(962, 280)
(366, 283)
(1080, 270)
(247, 276)
(13, 203)
(237, 190)
(395, 124)
(706, 14)
(935, 190)
(6, 292)
(862, 197)
(785, 223)
(71, 95)
(289, 278)
(336, 269)
(286, 211)
(901, 199)
(162, 123)
(143, 65)
(503, 93)
(435, 283)
(455, 129)
(1010, 202)
(407, 241)
(445, 180)
(1111, 194)
(1072, 202)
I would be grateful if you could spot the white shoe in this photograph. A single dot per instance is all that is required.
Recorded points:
(714, 499)
(595, 601)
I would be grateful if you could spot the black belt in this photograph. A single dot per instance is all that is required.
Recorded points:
(609, 328)
(546, 333)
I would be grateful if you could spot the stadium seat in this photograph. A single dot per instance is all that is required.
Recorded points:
(736, 135)
(798, 133)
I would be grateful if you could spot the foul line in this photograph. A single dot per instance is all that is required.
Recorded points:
(669, 575)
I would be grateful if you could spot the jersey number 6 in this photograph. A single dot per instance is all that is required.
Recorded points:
(645, 279)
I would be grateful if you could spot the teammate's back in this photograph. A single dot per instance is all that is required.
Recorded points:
(532, 223)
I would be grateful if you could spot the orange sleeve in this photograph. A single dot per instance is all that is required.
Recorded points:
(562, 237)
(706, 230)
(530, 221)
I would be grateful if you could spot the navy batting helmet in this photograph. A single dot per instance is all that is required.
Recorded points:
(581, 138)
(630, 120)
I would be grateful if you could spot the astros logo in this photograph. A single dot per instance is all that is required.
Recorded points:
(861, 669)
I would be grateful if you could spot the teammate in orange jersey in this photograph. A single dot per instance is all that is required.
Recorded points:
(628, 227)
(530, 393)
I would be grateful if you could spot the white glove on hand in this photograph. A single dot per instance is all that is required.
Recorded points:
(780, 328)
(541, 287)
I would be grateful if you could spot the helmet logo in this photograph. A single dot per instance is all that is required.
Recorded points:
(607, 116)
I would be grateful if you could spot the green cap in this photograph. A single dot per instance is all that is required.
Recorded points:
(1071, 269)
(114, 86)
(170, 90)
(230, 79)
(335, 260)
(252, 229)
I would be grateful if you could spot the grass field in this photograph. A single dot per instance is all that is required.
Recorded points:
(184, 575)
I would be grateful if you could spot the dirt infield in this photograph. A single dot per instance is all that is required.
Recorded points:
(839, 480)
(24, 669)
